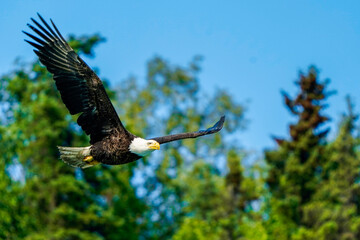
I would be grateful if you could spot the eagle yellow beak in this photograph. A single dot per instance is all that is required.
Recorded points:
(155, 146)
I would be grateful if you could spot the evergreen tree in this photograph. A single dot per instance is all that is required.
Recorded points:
(219, 207)
(295, 168)
(334, 211)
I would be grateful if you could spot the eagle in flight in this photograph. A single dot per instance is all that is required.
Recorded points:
(83, 92)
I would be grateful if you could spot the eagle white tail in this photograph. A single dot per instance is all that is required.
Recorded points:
(77, 156)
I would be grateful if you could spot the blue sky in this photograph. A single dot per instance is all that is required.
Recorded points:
(252, 49)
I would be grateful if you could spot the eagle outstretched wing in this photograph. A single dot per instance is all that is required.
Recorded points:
(81, 89)
(169, 138)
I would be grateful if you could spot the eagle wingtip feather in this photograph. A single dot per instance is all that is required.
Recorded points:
(219, 125)
(39, 15)
(216, 128)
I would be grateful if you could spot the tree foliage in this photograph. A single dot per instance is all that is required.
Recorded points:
(313, 184)
(201, 188)
(56, 201)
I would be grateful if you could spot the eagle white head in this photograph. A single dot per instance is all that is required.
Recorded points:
(143, 147)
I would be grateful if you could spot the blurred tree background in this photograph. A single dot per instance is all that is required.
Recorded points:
(305, 188)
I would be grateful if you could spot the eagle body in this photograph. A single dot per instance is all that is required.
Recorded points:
(114, 150)
(83, 93)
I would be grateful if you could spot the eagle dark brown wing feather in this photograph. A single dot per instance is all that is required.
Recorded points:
(81, 89)
(169, 138)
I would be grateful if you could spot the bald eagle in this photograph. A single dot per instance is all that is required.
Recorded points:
(82, 92)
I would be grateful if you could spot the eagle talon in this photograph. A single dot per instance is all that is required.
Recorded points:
(88, 159)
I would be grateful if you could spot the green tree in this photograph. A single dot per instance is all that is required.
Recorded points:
(188, 177)
(334, 212)
(295, 168)
(218, 206)
(56, 201)
(14, 218)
